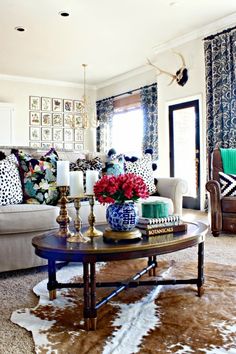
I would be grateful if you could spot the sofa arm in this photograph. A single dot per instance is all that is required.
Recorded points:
(173, 188)
(213, 187)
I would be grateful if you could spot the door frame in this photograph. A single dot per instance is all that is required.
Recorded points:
(200, 140)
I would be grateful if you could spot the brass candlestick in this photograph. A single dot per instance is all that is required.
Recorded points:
(63, 218)
(92, 231)
(78, 236)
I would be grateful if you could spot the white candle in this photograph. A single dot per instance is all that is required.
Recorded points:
(91, 179)
(76, 183)
(62, 173)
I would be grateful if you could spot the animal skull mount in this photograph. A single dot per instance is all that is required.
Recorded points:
(181, 75)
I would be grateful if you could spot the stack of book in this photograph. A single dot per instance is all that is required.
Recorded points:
(158, 226)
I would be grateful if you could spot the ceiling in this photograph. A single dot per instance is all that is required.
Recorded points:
(113, 37)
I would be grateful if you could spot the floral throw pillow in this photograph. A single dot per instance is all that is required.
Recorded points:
(39, 178)
(143, 168)
(10, 183)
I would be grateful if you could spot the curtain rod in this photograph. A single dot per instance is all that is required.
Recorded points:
(125, 93)
(218, 34)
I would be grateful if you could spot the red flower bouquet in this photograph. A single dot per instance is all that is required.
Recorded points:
(118, 189)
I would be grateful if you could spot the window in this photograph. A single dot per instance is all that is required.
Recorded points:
(127, 132)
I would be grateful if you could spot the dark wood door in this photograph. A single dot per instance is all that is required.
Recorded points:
(185, 148)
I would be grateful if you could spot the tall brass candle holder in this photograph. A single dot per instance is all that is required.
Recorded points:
(92, 231)
(77, 236)
(63, 218)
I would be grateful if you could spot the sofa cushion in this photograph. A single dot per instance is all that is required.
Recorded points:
(227, 184)
(10, 183)
(143, 168)
(39, 178)
(25, 218)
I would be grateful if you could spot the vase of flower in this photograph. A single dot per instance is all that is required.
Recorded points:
(122, 216)
(121, 192)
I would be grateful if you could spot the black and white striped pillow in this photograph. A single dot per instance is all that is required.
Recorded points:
(227, 184)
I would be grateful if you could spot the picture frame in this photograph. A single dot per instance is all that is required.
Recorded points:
(34, 103)
(57, 104)
(35, 145)
(35, 134)
(58, 146)
(46, 119)
(46, 134)
(68, 134)
(46, 104)
(46, 145)
(79, 135)
(57, 134)
(68, 120)
(78, 106)
(68, 105)
(34, 118)
(79, 147)
(57, 119)
(68, 146)
(78, 120)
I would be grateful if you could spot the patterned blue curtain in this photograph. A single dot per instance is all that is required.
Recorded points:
(220, 62)
(105, 111)
(148, 96)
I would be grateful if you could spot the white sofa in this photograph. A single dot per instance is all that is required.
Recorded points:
(19, 223)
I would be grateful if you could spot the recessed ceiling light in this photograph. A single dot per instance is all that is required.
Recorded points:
(20, 29)
(64, 13)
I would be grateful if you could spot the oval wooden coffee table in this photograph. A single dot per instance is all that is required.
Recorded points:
(54, 249)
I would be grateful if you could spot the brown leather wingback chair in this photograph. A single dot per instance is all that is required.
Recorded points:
(222, 209)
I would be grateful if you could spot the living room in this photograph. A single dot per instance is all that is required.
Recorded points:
(44, 47)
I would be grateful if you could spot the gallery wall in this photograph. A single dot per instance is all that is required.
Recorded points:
(17, 92)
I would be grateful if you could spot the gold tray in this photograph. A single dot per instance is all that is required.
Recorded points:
(121, 235)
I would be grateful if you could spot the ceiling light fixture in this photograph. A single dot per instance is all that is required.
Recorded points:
(89, 119)
(64, 14)
(20, 29)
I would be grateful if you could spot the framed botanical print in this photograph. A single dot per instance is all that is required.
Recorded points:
(57, 119)
(34, 103)
(68, 146)
(58, 146)
(57, 104)
(46, 119)
(46, 134)
(78, 106)
(46, 104)
(68, 106)
(35, 145)
(35, 134)
(34, 118)
(79, 135)
(68, 135)
(68, 120)
(46, 145)
(57, 134)
(79, 147)
(78, 119)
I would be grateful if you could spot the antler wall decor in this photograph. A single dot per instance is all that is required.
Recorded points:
(181, 75)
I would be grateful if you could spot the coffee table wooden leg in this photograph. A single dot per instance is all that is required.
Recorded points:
(200, 278)
(93, 311)
(152, 259)
(86, 297)
(52, 280)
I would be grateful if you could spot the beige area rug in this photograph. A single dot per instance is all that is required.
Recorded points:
(148, 320)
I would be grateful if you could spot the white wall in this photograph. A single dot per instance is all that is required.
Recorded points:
(194, 56)
(17, 93)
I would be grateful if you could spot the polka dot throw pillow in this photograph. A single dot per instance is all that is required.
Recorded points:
(143, 168)
(10, 183)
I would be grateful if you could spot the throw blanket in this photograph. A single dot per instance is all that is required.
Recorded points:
(228, 160)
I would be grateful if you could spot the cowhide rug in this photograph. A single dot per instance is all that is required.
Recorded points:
(167, 319)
